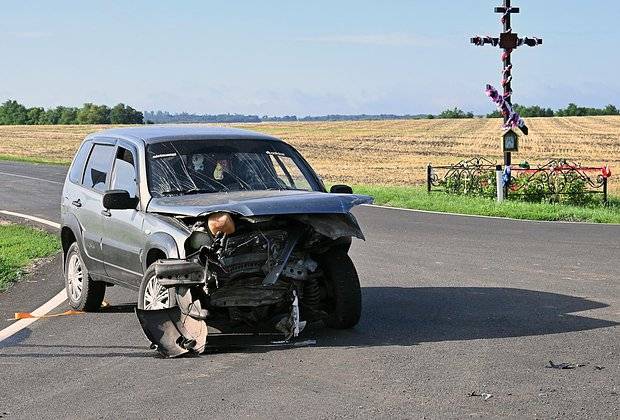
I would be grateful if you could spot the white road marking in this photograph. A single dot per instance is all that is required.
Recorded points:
(31, 177)
(33, 218)
(48, 306)
(44, 309)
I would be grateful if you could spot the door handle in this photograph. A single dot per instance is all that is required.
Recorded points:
(77, 203)
(106, 213)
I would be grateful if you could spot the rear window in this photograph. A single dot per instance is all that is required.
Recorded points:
(98, 166)
(77, 169)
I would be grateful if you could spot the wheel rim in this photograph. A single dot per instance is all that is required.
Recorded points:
(75, 277)
(155, 295)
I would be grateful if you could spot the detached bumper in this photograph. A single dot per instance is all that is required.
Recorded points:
(173, 333)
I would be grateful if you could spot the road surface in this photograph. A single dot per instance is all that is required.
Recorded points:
(452, 306)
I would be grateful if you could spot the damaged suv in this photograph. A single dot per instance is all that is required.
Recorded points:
(214, 227)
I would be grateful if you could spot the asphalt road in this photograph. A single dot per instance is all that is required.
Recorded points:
(452, 305)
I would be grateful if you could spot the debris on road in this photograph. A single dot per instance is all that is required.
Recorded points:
(484, 395)
(24, 315)
(599, 367)
(564, 365)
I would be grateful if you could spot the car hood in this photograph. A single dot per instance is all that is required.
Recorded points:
(257, 203)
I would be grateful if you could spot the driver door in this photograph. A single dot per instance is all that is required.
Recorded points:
(123, 237)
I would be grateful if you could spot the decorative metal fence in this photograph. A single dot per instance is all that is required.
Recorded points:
(475, 176)
(548, 182)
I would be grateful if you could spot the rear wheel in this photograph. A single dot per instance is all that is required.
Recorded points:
(345, 295)
(84, 293)
(152, 295)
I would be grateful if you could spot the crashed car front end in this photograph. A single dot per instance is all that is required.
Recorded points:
(248, 274)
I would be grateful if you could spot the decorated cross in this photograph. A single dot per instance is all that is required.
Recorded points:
(508, 41)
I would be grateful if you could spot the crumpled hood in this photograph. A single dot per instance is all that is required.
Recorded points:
(258, 203)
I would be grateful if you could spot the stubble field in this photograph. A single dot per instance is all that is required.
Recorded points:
(380, 152)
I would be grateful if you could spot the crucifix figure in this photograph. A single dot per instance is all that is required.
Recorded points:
(508, 41)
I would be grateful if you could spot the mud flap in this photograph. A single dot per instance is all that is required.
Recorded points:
(173, 333)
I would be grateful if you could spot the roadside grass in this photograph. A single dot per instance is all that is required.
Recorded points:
(44, 160)
(418, 198)
(20, 246)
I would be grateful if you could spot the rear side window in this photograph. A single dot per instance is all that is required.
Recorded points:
(98, 166)
(77, 169)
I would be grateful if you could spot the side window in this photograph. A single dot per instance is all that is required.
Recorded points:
(124, 172)
(77, 169)
(99, 162)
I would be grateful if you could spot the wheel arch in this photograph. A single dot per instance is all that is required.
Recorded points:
(67, 237)
(153, 255)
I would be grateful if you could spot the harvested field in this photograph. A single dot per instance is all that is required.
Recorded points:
(381, 152)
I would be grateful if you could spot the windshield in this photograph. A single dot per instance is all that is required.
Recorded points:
(194, 166)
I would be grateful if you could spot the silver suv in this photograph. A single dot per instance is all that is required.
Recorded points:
(214, 227)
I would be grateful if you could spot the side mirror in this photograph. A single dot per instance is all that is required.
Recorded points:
(119, 200)
(341, 189)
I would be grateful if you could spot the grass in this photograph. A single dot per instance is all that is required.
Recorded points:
(20, 246)
(418, 198)
(32, 159)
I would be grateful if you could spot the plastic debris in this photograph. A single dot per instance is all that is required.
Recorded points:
(564, 365)
(25, 315)
(484, 395)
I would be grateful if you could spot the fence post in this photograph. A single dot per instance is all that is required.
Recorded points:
(498, 183)
(429, 181)
(605, 190)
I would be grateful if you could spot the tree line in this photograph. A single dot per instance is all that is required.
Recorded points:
(163, 117)
(14, 113)
(572, 110)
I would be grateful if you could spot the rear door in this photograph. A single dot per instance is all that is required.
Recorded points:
(88, 202)
(123, 238)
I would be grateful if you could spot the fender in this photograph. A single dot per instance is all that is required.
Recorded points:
(162, 241)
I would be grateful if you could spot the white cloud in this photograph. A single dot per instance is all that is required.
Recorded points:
(387, 39)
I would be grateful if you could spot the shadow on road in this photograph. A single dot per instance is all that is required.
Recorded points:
(406, 316)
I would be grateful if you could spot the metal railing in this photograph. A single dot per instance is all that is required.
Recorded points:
(558, 177)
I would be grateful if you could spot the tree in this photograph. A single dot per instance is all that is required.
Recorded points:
(124, 114)
(455, 113)
(50, 117)
(34, 115)
(12, 112)
(93, 114)
(68, 115)
(611, 110)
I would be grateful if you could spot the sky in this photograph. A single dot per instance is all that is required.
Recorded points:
(305, 58)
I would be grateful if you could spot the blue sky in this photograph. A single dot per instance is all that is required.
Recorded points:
(292, 57)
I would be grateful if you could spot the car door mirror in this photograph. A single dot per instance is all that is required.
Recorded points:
(341, 189)
(119, 200)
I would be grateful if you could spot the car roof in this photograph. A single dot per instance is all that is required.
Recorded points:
(157, 133)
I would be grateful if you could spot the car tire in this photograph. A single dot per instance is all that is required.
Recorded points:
(149, 287)
(83, 293)
(345, 306)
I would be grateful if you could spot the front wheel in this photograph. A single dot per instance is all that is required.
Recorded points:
(345, 295)
(152, 295)
(83, 293)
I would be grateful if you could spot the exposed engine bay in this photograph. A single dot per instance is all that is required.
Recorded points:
(250, 274)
